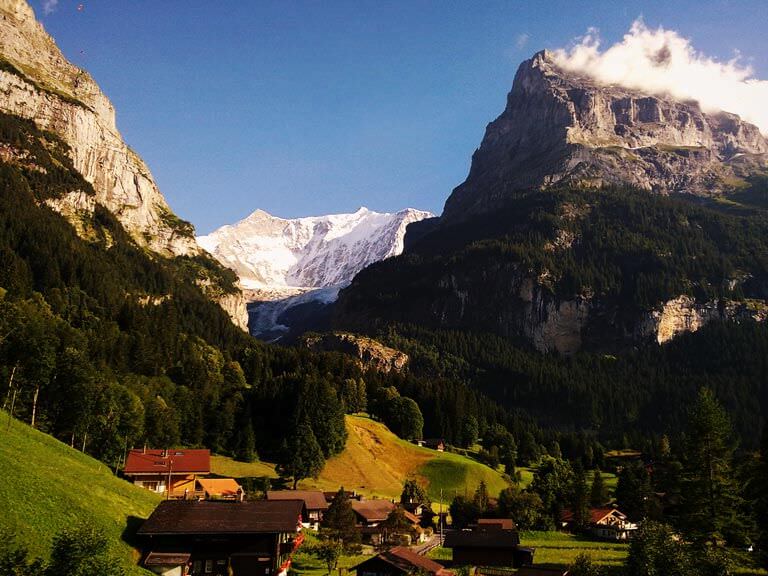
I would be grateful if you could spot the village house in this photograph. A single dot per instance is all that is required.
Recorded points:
(157, 470)
(314, 501)
(218, 489)
(371, 515)
(605, 523)
(400, 561)
(490, 543)
(433, 443)
(219, 538)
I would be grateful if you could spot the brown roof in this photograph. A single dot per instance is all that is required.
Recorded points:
(408, 561)
(220, 517)
(166, 559)
(595, 514)
(496, 523)
(373, 510)
(482, 539)
(162, 461)
(219, 486)
(313, 499)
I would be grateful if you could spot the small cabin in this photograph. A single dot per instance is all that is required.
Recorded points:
(400, 561)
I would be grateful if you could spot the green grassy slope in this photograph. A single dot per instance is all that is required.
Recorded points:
(375, 462)
(46, 486)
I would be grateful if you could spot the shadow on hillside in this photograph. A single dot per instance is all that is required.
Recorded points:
(132, 525)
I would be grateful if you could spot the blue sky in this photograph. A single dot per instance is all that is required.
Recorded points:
(303, 108)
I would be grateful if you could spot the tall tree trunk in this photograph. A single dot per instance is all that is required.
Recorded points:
(10, 385)
(34, 405)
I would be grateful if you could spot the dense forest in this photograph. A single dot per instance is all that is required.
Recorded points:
(450, 300)
(107, 346)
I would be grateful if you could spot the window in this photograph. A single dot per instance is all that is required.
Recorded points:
(208, 566)
(197, 566)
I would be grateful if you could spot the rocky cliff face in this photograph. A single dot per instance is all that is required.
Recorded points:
(370, 353)
(38, 83)
(561, 128)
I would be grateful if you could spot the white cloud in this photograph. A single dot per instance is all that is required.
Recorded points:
(663, 62)
(49, 6)
(522, 40)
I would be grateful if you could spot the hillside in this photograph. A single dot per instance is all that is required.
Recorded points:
(375, 462)
(46, 486)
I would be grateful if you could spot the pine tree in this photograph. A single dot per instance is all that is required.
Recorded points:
(301, 456)
(413, 493)
(580, 498)
(339, 522)
(481, 497)
(711, 500)
(599, 493)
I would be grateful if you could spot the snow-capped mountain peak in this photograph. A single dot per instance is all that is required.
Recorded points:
(289, 255)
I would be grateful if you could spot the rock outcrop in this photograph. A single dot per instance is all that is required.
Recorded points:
(38, 83)
(562, 128)
(369, 352)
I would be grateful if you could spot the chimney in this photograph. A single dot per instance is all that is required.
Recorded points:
(240, 494)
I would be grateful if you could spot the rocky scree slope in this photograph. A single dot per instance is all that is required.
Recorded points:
(38, 83)
(562, 128)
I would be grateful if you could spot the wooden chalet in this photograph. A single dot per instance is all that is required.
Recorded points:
(489, 545)
(372, 513)
(605, 523)
(314, 501)
(400, 561)
(159, 470)
(218, 489)
(219, 538)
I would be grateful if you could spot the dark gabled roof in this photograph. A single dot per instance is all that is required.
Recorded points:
(313, 499)
(496, 524)
(373, 510)
(482, 539)
(163, 461)
(216, 517)
(407, 561)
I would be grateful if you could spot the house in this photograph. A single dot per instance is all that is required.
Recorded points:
(372, 513)
(495, 524)
(488, 547)
(434, 443)
(219, 489)
(400, 561)
(314, 504)
(220, 538)
(156, 470)
(605, 523)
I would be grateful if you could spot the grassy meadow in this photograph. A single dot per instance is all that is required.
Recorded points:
(46, 486)
(375, 462)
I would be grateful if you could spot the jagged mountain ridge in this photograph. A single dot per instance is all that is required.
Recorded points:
(292, 269)
(38, 83)
(289, 255)
(593, 218)
(560, 127)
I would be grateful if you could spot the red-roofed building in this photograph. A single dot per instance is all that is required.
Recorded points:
(156, 470)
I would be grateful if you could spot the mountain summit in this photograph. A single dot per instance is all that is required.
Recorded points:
(285, 256)
(561, 127)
